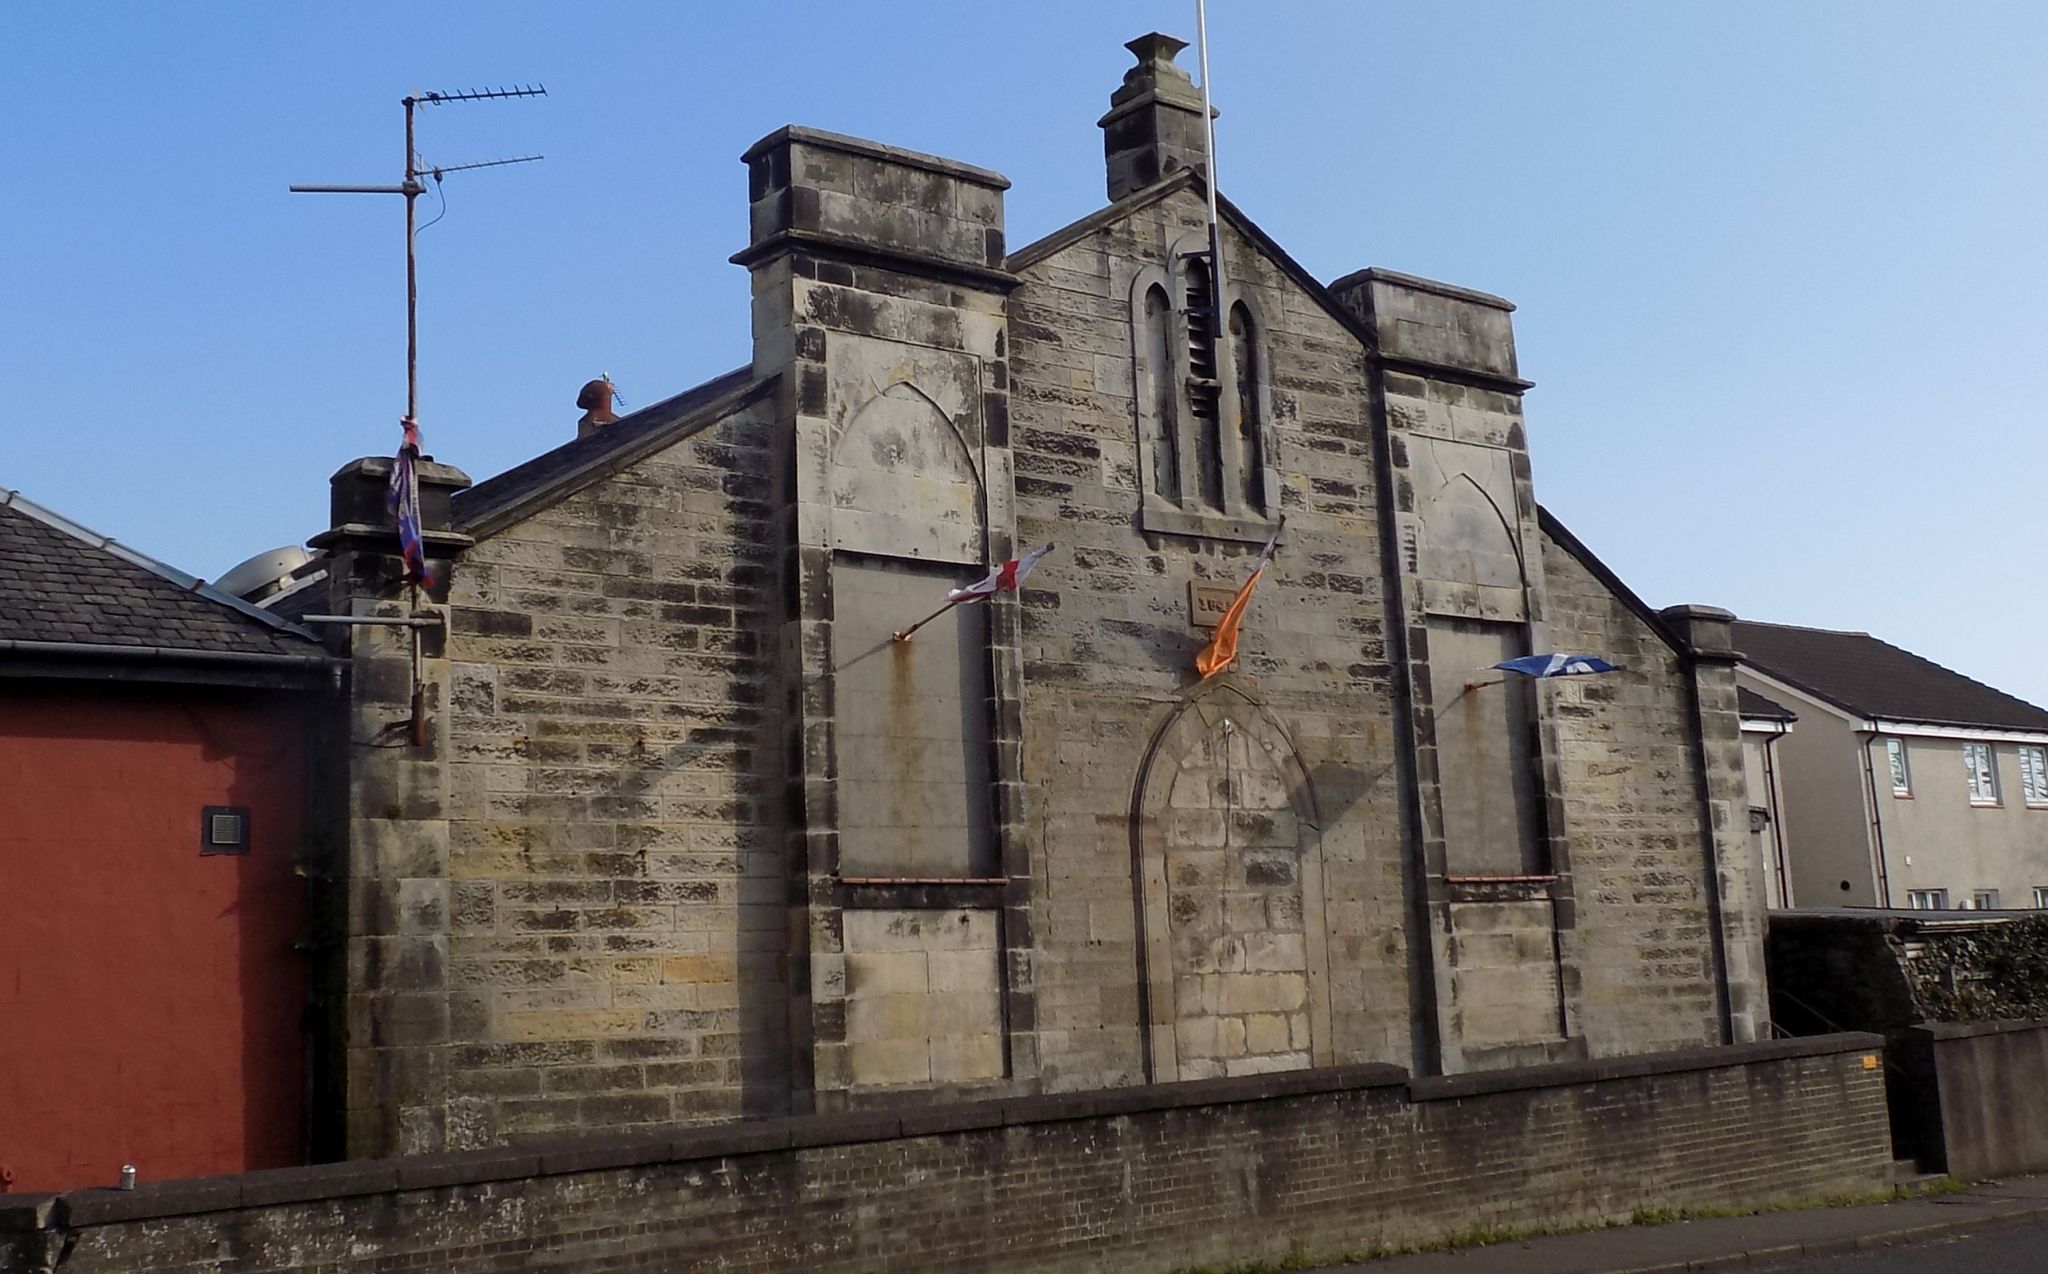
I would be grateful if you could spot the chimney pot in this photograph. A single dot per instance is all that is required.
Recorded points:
(596, 400)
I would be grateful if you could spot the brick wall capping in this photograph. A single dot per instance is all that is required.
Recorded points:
(1971, 1030)
(1717, 1057)
(462, 1167)
(553, 1156)
(875, 150)
(102, 1205)
(271, 1186)
(865, 252)
(25, 1211)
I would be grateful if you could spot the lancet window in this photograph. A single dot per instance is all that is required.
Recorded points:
(1201, 398)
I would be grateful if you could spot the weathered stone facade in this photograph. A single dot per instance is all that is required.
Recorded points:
(693, 838)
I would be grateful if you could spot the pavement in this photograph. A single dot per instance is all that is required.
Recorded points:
(1727, 1243)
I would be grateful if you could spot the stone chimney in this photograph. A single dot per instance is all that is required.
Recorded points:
(385, 814)
(1154, 127)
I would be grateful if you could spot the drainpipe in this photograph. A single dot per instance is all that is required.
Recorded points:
(1884, 875)
(1777, 819)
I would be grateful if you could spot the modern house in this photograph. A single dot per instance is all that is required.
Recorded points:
(153, 779)
(1889, 780)
(1765, 722)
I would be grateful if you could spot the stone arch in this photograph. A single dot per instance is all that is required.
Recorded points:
(904, 482)
(1227, 860)
(1468, 539)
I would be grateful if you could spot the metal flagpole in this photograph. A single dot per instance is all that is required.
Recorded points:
(1209, 125)
(905, 633)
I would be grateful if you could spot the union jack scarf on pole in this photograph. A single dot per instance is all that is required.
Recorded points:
(403, 499)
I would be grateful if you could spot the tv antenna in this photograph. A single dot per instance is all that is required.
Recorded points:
(412, 188)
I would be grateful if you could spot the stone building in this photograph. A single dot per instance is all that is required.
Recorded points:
(689, 837)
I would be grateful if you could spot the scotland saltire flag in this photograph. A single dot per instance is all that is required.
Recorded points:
(403, 499)
(1555, 665)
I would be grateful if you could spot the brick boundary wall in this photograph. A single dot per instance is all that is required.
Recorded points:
(1203, 1172)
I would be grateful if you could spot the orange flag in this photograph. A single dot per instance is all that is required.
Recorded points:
(1222, 648)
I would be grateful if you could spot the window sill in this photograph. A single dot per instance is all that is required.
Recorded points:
(1897, 795)
(1166, 520)
(1987, 805)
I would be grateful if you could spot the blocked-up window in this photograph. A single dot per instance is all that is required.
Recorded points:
(1485, 750)
(2034, 775)
(912, 725)
(1982, 770)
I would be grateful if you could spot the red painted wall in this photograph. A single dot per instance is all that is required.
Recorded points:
(150, 998)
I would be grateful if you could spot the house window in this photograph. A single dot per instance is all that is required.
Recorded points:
(1985, 900)
(2034, 775)
(2041, 897)
(1199, 386)
(1927, 899)
(1902, 778)
(1983, 772)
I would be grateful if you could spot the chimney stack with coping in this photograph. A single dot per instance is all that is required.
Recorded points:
(1154, 127)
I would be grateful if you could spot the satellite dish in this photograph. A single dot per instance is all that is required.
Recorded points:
(263, 574)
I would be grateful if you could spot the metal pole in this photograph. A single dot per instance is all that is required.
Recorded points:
(1209, 127)
(412, 285)
(904, 634)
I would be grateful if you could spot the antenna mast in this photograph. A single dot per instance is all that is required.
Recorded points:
(412, 188)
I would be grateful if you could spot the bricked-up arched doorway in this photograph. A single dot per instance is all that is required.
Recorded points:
(1227, 856)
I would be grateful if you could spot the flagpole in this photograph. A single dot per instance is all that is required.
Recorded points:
(904, 634)
(1209, 157)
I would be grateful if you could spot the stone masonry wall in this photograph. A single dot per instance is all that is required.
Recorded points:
(616, 922)
(1108, 653)
(1208, 1173)
(1640, 959)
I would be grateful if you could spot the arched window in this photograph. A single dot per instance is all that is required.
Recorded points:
(1155, 384)
(1199, 385)
(1244, 364)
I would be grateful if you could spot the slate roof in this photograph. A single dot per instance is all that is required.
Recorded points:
(62, 583)
(1872, 678)
(552, 474)
(1758, 707)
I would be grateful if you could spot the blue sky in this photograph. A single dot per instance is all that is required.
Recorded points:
(1780, 265)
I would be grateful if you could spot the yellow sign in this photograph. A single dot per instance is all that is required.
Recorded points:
(1870, 1061)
